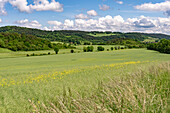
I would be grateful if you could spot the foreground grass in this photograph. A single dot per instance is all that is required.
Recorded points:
(142, 92)
(42, 78)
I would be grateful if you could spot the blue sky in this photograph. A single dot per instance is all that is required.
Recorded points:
(112, 15)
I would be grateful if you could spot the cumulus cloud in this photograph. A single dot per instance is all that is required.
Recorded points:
(119, 2)
(27, 23)
(81, 16)
(44, 5)
(92, 13)
(21, 5)
(39, 5)
(163, 6)
(56, 23)
(104, 7)
(117, 23)
(2, 9)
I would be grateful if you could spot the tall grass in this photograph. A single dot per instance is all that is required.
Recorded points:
(142, 92)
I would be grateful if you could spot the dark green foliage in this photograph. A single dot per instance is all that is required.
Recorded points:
(111, 48)
(163, 46)
(116, 48)
(107, 49)
(56, 49)
(86, 43)
(72, 51)
(88, 49)
(100, 48)
(22, 42)
(49, 53)
(85, 49)
(77, 37)
(122, 48)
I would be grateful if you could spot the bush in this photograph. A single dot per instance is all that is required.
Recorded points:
(122, 47)
(56, 49)
(85, 49)
(72, 51)
(107, 49)
(49, 53)
(88, 49)
(116, 48)
(100, 48)
(111, 48)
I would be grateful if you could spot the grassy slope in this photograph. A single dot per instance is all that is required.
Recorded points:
(82, 79)
(5, 53)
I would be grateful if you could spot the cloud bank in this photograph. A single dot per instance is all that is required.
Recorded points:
(39, 5)
(116, 23)
(163, 6)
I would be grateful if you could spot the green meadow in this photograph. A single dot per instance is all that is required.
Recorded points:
(32, 84)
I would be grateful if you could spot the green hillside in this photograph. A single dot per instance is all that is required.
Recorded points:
(81, 36)
(22, 42)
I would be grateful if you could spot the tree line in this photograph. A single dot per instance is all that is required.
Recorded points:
(23, 42)
(163, 46)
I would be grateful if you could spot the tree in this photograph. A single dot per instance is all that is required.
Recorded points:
(56, 49)
(85, 49)
(72, 51)
(100, 48)
(90, 49)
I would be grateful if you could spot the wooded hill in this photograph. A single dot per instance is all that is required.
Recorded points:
(78, 37)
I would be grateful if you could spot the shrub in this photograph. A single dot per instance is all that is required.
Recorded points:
(107, 49)
(116, 48)
(56, 49)
(49, 53)
(122, 47)
(72, 51)
(88, 49)
(85, 49)
(100, 48)
(111, 48)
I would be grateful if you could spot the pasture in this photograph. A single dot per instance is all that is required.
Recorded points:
(40, 79)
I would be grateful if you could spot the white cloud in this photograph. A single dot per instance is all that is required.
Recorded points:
(68, 24)
(0, 20)
(119, 2)
(45, 5)
(2, 9)
(92, 13)
(21, 5)
(117, 23)
(104, 7)
(56, 23)
(27, 23)
(81, 16)
(39, 5)
(163, 6)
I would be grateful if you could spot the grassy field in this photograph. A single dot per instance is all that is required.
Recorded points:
(150, 39)
(6, 53)
(26, 82)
